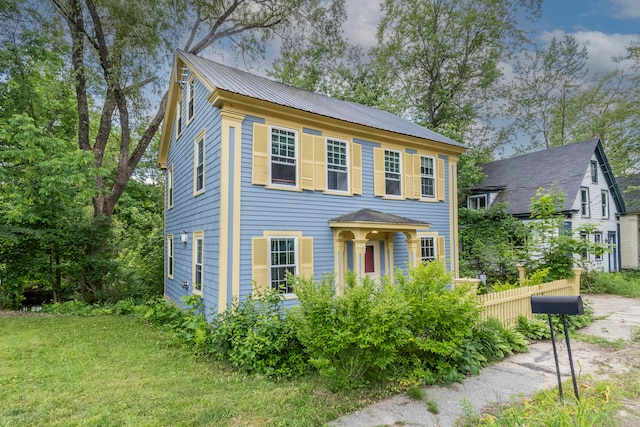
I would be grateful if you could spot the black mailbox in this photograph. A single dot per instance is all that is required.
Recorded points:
(553, 304)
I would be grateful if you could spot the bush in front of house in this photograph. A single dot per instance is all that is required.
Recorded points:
(257, 336)
(354, 338)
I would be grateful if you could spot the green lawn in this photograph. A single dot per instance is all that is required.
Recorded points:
(116, 371)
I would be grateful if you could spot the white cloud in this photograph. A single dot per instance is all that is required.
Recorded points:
(363, 17)
(602, 47)
(626, 9)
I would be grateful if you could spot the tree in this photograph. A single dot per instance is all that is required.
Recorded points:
(442, 55)
(542, 89)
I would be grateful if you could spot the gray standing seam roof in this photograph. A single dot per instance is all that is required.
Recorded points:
(243, 83)
(370, 215)
(521, 176)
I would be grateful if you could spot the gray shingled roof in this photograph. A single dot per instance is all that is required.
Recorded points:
(520, 177)
(631, 196)
(243, 83)
(369, 215)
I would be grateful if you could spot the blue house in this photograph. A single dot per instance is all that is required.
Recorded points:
(264, 178)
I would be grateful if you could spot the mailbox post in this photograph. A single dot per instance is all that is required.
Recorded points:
(562, 305)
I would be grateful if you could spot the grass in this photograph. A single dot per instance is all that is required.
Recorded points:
(618, 344)
(116, 371)
(625, 283)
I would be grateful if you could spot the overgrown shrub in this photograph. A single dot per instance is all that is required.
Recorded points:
(538, 327)
(442, 321)
(80, 308)
(355, 337)
(256, 335)
(624, 283)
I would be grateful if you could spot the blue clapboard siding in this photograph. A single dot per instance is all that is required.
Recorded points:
(310, 212)
(201, 213)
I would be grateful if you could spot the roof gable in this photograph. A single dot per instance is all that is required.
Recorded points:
(562, 168)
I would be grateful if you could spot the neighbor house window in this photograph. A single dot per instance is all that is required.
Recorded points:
(604, 196)
(392, 173)
(567, 229)
(477, 202)
(594, 171)
(170, 186)
(284, 164)
(179, 120)
(198, 171)
(198, 262)
(283, 259)
(427, 249)
(170, 256)
(597, 237)
(191, 96)
(585, 253)
(427, 177)
(337, 169)
(584, 201)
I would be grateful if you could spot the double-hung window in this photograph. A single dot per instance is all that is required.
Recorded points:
(191, 98)
(337, 166)
(170, 256)
(282, 259)
(597, 238)
(198, 262)
(198, 171)
(392, 173)
(284, 163)
(170, 186)
(604, 196)
(427, 177)
(427, 249)
(584, 202)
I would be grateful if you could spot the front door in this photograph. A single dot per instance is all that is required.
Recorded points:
(372, 260)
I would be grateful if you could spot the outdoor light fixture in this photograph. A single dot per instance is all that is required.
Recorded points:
(184, 236)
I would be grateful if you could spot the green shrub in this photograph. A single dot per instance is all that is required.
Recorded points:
(538, 327)
(355, 337)
(626, 283)
(533, 329)
(257, 336)
(80, 308)
(442, 320)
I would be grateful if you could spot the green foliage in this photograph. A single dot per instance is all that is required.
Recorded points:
(257, 336)
(80, 308)
(442, 321)
(533, 329)
(625, 283)
(354, 337)
(490, 242)
(538, 327)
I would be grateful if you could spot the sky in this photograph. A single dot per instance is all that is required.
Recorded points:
(605, 27)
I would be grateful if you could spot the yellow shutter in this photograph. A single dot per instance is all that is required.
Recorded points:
(408, 175)
(260, 173)
(306, 163)
(441, 249)
(320, 161)
(378, 172)
(440, 190)
(356, 168)
(260, 263)
(417, 177)
(306, 257)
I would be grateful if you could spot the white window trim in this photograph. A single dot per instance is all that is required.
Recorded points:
(197, 236)
(170, 192)
(179, 119)
(201, 137)
(596, 240)
(477, 196)
(170, 256)
(297, 157)
(434, 242)
(190, 83)
(348, 165)
(400, 158)
(434, 177)
(286, 295)
(582, 203)
(604, 196)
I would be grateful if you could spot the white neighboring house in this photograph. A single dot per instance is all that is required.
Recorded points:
(581, 171)
(630, 222)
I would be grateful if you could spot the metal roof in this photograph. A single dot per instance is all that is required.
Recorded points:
(369, 215)
(247, 84)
